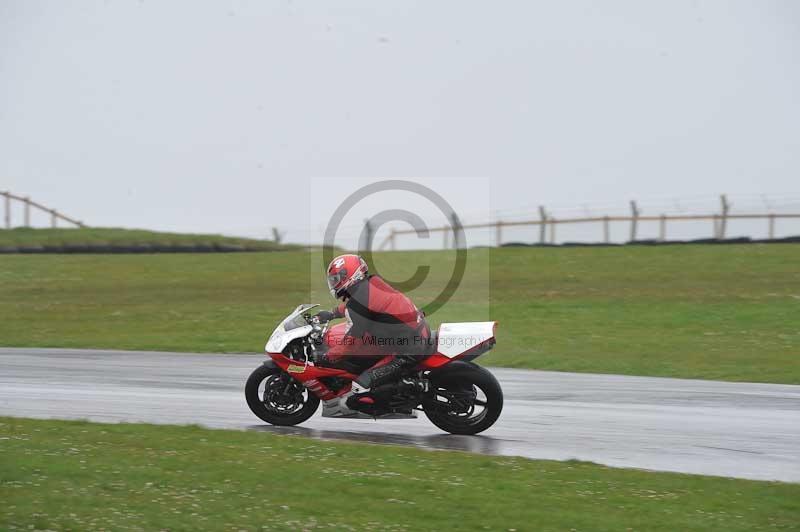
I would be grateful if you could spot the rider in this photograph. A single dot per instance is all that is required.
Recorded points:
(381, 321)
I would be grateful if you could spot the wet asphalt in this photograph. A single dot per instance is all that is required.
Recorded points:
(742, 430)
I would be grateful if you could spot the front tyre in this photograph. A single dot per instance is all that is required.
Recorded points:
(277, 398)
(465, 401)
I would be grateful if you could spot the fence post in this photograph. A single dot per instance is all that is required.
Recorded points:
(53, 218)
(367, 243)
(662, 228)
(724, 221)
(391, 239)
(8, 209)
(606, 231)
(498, 227)
(543, 224)
(634, 219)
(552, 230)
(771, 226)
(27, 212)
(458, 231)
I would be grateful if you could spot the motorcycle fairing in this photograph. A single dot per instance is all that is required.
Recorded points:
(456, 338)
(309, 375)
(334, 409)
(289, 329)
(462, 341)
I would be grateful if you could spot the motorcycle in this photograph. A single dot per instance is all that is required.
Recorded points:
(455, 394)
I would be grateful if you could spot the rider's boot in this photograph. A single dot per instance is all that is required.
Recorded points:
(386, 373)
(413, 386)
(372, 384)
(360, 395)
(381, 383)
(357, 396)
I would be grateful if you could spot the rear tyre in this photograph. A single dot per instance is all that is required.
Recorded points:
(464, 402)
(277, 398)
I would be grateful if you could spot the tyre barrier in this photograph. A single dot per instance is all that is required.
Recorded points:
(653, 242)
(203, 247)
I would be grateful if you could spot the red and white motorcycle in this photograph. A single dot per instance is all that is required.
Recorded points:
(457, 395)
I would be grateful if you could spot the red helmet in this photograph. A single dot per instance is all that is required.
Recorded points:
(343, 272)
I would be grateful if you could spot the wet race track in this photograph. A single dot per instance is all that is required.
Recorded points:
(717, 428)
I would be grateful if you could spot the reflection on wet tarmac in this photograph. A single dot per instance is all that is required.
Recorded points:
(448, 442)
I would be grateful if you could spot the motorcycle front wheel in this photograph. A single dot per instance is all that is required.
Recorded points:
(277, 398)
(465, 402)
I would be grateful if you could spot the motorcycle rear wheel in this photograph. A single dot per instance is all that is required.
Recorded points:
(456, 397)
(281, 401)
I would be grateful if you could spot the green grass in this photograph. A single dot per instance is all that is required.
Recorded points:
(33, 238)
(84, 476)
(720, 312)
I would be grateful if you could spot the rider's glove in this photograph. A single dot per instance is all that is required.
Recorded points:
(325, 316)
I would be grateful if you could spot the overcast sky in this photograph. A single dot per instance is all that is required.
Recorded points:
(220, 116)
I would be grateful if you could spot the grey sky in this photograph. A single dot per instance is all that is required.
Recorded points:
(215, 116)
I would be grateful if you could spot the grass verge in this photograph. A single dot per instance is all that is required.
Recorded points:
(718, 312)
(78, 475)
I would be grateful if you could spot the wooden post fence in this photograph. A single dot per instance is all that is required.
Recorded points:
(28, 203)
(546, 221)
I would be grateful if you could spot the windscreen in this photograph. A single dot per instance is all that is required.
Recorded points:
(296, 318)
(294, 322)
